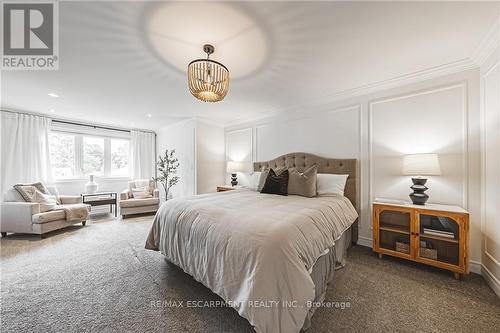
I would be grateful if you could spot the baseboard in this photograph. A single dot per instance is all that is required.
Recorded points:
(491, 280)
(364, 241)
(475, 267)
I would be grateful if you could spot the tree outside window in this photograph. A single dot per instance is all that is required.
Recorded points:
(62, 155)
(77, 156)
(93, 156)
(119, 157)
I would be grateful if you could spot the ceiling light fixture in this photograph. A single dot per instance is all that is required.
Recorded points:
(208, 79)
(149, 115)
(53, 95)
(53, 110)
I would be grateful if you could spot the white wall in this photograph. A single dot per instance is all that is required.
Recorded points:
(438, 115)
(490, 148)
(430, 121)
(239, 147)
(210, 156)
(181, 137)
(199, 146)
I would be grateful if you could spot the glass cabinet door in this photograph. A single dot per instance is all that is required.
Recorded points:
(394, 231)
(439, 239)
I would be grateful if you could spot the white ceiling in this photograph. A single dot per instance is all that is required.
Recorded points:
(120, 61)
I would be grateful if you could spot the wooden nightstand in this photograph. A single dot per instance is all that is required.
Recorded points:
(436, 235)
(224, 188)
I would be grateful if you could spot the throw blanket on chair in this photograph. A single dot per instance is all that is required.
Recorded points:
(75, 211)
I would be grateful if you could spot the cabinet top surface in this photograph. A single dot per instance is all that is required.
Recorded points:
(436, 207)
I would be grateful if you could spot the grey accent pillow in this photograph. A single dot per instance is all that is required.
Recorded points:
(303, 183)
(23, 188)
(26, 191)
(32, 194)
(265, 172)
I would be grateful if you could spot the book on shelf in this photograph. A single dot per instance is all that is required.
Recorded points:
(440, 223)
(441, 233)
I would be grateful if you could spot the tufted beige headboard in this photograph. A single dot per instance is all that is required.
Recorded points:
(302, 161)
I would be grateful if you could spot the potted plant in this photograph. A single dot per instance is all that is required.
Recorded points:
(167, 170)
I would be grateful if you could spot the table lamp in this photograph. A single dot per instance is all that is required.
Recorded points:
(233, 167)
(418, 165)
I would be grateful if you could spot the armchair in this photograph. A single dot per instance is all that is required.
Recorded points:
(130, 205)
(19, 216)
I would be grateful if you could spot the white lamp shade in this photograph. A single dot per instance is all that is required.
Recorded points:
(233, 167)
(421, 165)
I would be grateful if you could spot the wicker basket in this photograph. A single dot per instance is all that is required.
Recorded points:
(402, 247)
(428, 253)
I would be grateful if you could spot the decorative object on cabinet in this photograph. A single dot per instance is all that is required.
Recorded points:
(418, 165)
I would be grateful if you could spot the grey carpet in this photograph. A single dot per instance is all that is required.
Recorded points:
(100, 278)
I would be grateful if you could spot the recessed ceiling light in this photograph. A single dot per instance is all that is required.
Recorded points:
(53, 95)
(149, 115)
(53, 110)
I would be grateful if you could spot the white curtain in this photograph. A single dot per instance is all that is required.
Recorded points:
(142, 152)
(24, 149)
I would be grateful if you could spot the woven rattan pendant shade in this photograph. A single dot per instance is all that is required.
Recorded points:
(208, 80)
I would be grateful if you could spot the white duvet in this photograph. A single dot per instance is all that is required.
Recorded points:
(254, 250)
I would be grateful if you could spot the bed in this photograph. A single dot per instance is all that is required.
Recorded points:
(268, 256)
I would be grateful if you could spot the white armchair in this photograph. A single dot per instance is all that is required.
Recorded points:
(19, 216)
(130, 205)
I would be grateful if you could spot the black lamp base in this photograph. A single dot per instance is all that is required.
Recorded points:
(418, 197)
(234, 180)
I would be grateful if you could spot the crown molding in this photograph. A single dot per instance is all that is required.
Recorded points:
(487, 45)
(209, 121)
(398, 81)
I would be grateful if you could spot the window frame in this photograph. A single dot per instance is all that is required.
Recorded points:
(78, 151)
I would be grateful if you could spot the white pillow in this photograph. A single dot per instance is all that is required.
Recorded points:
(328, 183)
(253, 181)
(47, 202)
(141, 192)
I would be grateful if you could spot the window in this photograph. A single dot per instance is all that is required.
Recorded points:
(93, 156)
(62, 151)
(119, 157)
(78, 156)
